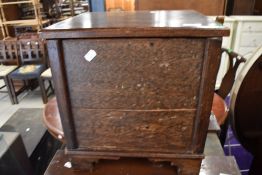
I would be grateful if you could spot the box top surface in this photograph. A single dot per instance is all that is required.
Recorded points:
(136, 24)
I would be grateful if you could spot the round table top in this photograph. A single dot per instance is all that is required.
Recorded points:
(219, 108)
(52, 119)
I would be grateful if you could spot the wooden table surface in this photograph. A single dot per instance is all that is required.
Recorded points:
(173, 23)
(219, 108)
(214, 163)
(211, 165)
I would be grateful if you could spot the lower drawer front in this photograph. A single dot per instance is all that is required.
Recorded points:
(139, 131)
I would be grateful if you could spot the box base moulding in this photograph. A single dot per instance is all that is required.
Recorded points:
(183, 164)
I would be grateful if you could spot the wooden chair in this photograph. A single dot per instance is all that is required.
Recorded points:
(8, 63)
(246, 109)
(226, 85)
(33, 60)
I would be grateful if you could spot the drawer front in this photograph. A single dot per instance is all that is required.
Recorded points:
(251, 39)
(142, 74)
(139, 131)
(252, 26)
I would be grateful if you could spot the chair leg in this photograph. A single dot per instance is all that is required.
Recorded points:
(42, 89)
(223, 133)
(7, 83)
(12, 90)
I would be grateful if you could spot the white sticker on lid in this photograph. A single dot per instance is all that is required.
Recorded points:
(68, 165)
(90, 55)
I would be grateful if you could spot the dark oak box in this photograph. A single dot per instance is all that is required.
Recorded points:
(136, 84)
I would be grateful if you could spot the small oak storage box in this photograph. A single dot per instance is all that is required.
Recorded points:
(135, 84)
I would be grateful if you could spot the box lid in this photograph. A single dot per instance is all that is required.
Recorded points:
(178, 23)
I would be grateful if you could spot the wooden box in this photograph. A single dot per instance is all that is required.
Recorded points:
(135, 84)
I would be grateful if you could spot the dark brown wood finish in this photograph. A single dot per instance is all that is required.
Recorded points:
(148, 91)
(32, 51)
(214, 163)
(132, 87)
(207, 86)
(8, 52)
(9, 57)
(118, 79)
(247, 112)
(228, 80)
(243, 7)
(135, 131)
(52, 119)
(135, 24)
(60, 82)
(245, 109)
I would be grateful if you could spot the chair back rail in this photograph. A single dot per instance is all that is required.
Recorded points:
(9, 52)
(32, 51)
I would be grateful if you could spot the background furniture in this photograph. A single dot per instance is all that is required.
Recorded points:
(227, 42)
(245, 38)
(35, 21)
(52, 119)
(124, 86)
(124, 5)
(219, 109)
(33, 63)
(248, 35)
(8, 62)
(235, 61)
(73, 7)
(207, 7)
(245, 109)
(47, 76)
(244, 7)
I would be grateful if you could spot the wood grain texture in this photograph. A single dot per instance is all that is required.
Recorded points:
(148, 91)
(134, 73)
(136, 24)
(52, 119)
(60, 84)
(210, 165)
(209, 72)
(136, 131)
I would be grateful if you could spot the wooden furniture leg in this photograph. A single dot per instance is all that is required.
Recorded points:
(12, 89)
(7, 83)
(183, 166)
(42, 89)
